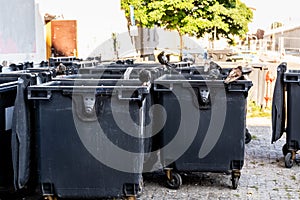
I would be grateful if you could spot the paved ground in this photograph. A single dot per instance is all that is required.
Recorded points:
(264, 175)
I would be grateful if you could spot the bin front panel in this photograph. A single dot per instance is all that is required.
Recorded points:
(225, 145)
(69, 142)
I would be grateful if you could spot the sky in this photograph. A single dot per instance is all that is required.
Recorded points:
(268, 11)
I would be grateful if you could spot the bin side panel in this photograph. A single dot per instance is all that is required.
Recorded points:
(6, 108)
(278, 105)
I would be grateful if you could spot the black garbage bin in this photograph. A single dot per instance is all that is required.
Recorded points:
(204, 125)
(285, 112)
(89, 137)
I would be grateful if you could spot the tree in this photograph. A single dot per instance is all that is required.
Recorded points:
(193, 17)
(230, 18)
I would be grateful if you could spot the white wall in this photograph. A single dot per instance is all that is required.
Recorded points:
(21, 32)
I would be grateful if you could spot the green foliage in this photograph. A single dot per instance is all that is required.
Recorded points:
(192, 17)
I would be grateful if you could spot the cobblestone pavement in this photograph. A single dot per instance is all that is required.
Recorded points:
(264, 175)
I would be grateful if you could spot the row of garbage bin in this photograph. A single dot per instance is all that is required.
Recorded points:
(94, 134)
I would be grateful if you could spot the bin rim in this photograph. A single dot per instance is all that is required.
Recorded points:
(8, 86)
(186, 78)
(92, 84)
(92, 80)
(16, 74)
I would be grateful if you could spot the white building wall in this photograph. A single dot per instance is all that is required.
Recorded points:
(21, 34)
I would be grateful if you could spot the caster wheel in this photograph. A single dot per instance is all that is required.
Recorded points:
(175, 182)
(285, 149)
(141, 187)
(248, 137)
(50, 198)
(288, 160)
(235, 182)
(131, 198)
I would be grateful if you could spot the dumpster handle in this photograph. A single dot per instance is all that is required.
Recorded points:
(244, 88)
(163, 89)
(120, 96)
(43, 95)
(291, 78)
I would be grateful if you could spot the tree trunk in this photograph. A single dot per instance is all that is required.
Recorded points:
(181, 46)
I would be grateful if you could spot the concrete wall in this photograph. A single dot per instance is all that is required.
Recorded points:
(21, 32)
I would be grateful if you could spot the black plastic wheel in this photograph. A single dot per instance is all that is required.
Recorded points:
(141, 188)
(175, 182)
(288, 160)
(285, 149)
(248, 137)
(131, 198)
(50, 198)
(235, 181)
